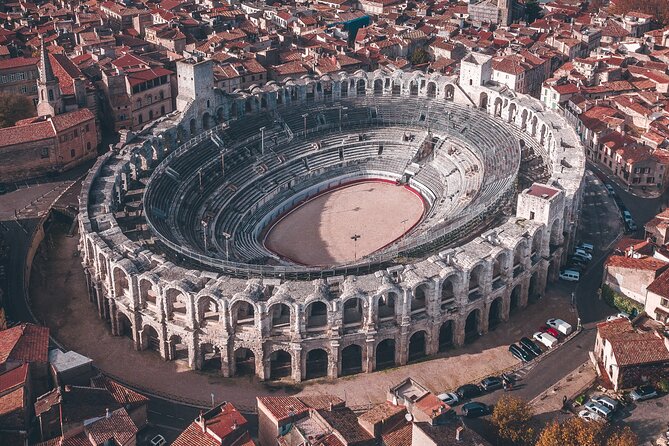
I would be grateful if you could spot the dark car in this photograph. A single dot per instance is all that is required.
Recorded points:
(468, 391)
(491, 383)
(528, 351)
(475, 409)
(531, 345)
(519, 353)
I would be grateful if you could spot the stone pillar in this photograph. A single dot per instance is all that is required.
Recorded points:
(262, 366)
(334, 360)
(192, 351)
(113, 317)
(459, 331)
(296, 362)
(485, 317)
(369, 360)
(164, 350)
(506, 305)
(101, 300)
(432, 346)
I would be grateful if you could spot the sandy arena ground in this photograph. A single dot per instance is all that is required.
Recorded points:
(319, 231)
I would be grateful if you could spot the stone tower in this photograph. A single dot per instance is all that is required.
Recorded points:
(48, 87)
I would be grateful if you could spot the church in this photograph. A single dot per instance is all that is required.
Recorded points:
(61, 137)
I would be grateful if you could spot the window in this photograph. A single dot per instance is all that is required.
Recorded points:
(76, 133)
(50, 95)
(45, 152)
(87, 128)
(162, 95)
(72, 153)
(162, 109)
(531, 215)
(664, 302)
(88, 146)
(150, 114)
(140, 119)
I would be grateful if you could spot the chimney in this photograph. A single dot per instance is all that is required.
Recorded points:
(458, 433)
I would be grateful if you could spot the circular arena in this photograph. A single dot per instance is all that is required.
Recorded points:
(328, 225)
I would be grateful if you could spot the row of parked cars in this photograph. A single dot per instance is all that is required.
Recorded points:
(465, 392)
(630, 224)
(599, 408)
(548, 335)
(577, 262)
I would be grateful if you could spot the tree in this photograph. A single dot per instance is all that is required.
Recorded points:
(573, 432)
(533, 11)
(13, 108)
(419, 57)
(624, 437)
(659, 9)
(512, 417)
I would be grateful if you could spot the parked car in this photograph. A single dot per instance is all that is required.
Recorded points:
(575, 267)
(475, 409)
(597, 408)
(583, 253)
(559, 325)
(570, 275)
(550, 330)
(613, 317)
(158, 440)
(546, 339)
(590, 416)
(528, 351)
(530, 344)
(631, 225)
(627, 216)
(581, 258)
(609, 189)
(586, 247)
(642, 393)
(491, 383)
(519, 353)
(450, 398)
(607, 402)
(468, 391)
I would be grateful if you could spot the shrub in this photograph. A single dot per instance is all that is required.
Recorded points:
(620, 302)
(663, 385)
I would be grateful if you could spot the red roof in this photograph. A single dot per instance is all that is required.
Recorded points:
(660, 286)
(537, 190)
(24, 343)
(17, 62)
(137, 77)
(283, 407)
(13, 378)
(220, 423)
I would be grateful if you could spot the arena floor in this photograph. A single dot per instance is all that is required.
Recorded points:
(319, 232)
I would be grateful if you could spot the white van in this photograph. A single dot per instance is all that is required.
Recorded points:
(546, 339)
(570, 275)
(560, 325)
(597, 408)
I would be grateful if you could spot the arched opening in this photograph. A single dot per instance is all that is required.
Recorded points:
(248, 106)
(449, 93)
(514, 303)
(147, 295)
(446, 336)
(498, 107)
(518, 257)
(378, 86)
(317, 364)
(193, 128)
(220, 117)
(523, 120)
(397, 89)
(234, 111)
(263, 102)
(343, 88)
(536, 247)
(431, 90)
(472, 329)
(483, 101)
(351, 360)
(534, 292)
(243, 314)
(385, 354)
(556, 235)
(279, 97)
(361, 85)
(121, 283)
(280, 314)
(310, 91)
(353, 312)
(512, 112)
(176, 305)
(448, 293)
(533, 130)
(211, 357)
(124, 325)
(419, 300)
(413, 88)
(245, 362)
(178, 349)
(476, 282)
(150, 339)
(280, 365)
(495, 313)
(542, 135)
(387, 304)
(317, 315)
(207, 310)
(293, 94)
(499, 271)
(417, 344)
(102, 263)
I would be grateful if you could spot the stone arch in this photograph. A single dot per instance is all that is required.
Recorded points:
(242, 314)
(176, 304)
(353, 311)
(413, 88)
(497, 110)
(417, 345)
(515, 299)
(446, 332)
(476, 282)
(343, 88)
(121, 282)
(397, 87)
(431, 89)
(419, 298)
(316, 315)
(542, 134)
(523, 119)
(150, 339)
(208, 311)
(280, 364)
(210, 357)
(533, 125)
(206, 121)
(385, 354)
(124, 324)
(449, 288)
(316, 363)
(148, 297)
(192, 128)
(279, 96)
(361, 86)
(378, 86)
(449, 92)
(499, 270)
(351, 360)
(495, 313)
(387, 306)
(513, 109)
(556, 237)
(220, 115)
(102, 266)
(534, 292)
(473, 325)
(483, 100)
(537, 246)
(245, 362)
(279, 317)
(519, 254)
(178, 349)
(263, 102)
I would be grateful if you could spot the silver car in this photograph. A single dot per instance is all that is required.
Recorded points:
(607, 402)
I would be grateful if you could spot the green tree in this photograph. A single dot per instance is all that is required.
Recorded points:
(512, 417)
(419, 56)
(573, 432)
(659, 9)
(13, 108)
(624, 437)
(533, 10)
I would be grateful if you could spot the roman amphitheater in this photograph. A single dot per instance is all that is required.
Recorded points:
(332, 225)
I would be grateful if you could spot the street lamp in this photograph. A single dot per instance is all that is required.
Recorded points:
(305, 123)
(227, 246)
(355, 238)
(205, 224)
(262, 140)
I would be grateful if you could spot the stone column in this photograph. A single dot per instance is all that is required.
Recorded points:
(113, 317)
(192, 351)
(334, 360)
(459, 331)
(101, 300)
(226, 355)
(369, 362)
(296, 362)
(432, 346)
(485, 317)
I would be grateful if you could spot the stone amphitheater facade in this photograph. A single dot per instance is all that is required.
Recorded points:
(342, 322)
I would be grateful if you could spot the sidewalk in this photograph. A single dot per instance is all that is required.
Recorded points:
(649, 193)
(571, 386)
(59, 296)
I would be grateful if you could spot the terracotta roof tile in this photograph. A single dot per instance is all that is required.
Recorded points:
(660, 285)
(25, 342)
(13, 378)
(400, 435)
(282, 407)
